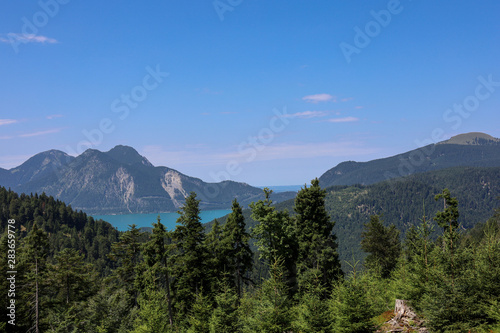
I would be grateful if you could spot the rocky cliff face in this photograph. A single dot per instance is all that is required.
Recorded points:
(120, 181)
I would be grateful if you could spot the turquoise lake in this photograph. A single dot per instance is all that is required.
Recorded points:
(122, 222)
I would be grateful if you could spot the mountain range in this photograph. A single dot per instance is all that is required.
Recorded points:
(471, 149)
(121, 181)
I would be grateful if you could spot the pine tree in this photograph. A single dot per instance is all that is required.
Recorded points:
(236, 242)
(382, 244)
(190, 268)
(317, 247)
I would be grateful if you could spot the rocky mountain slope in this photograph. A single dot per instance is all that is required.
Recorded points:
(121, 181)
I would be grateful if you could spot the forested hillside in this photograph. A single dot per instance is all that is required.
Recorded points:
(74, 274)
(470, 149)
(403, 202)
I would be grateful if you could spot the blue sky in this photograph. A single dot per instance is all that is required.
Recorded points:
(263, 92)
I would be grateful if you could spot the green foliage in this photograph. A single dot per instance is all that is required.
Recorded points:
(200, 314)
(276, 236)
(312, 313)
(71, 278)
(437, 157)
(153, 315)
(382, 244)
(224, 318)
(236, 247)
(156, 254)
(190, 260)
(272, 312)
(317, 247)
(350, 307)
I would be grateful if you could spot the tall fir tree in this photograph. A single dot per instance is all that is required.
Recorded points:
(236, 242)
(190, 260)
(157, 257)
(276, 238)
(218, 261)
(317, 246)
(127, 252)
(382, 244)
(35, 248)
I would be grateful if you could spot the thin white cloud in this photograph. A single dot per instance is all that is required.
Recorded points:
(53, 116)
(26, 38)
(318, 98)
(8, 121)
(346, 99)
(28, 135)
(219, 157)
(342, 120)
(306, 114)
(12, 161)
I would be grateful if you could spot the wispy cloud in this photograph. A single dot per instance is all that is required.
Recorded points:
(218, 158)
(8, 121)
(318, 98)
(53, 116)
(12, 161)
(28, 135)
(342, 120)
(306, 114)
(26, 38)
(346, 99)
(305, 150)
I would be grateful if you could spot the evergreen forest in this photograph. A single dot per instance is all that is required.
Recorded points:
(283, 274)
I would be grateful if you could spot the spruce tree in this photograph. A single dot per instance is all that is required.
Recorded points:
(70, 276)
(224, 318)
(127, 253)
(236, 243)
(382, 244)
(35, 248)
(317, 246)
(218, 260)
(276, 237)
(156, 254)
(190, 260)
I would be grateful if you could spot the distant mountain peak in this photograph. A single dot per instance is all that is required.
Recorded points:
(127, 155)
(472, 138)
